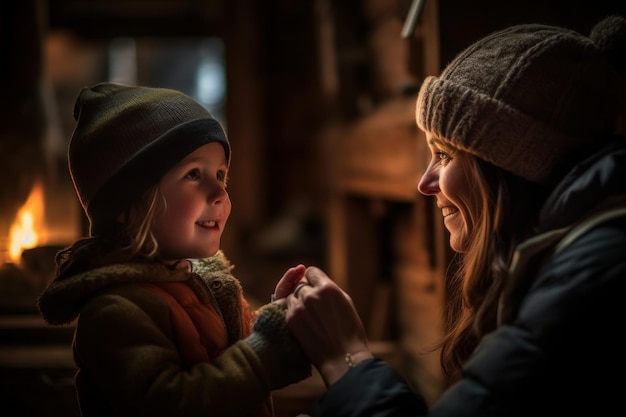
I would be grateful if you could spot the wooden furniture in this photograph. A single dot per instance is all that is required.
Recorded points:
(386, 244)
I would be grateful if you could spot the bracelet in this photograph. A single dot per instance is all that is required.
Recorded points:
(349, 360)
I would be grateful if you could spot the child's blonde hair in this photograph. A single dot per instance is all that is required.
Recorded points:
(130, 239)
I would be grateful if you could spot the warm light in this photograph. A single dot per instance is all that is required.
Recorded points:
(29, 219)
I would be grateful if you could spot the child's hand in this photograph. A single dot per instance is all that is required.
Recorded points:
(289, 282)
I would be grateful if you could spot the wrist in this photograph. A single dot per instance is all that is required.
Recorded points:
(334, 369)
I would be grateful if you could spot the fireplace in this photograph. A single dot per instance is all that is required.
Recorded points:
(39, 212)
(45, 222)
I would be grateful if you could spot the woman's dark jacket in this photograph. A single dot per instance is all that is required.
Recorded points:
(558, 349)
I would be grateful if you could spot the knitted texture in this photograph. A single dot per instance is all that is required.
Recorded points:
(279, 351)
(528, 99)
(126, 138)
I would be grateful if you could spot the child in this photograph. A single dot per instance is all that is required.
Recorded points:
(162, 326)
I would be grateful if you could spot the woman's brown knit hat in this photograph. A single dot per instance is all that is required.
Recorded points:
(126, 138)
(531, 97)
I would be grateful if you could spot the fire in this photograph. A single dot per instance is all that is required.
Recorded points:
(28, 221)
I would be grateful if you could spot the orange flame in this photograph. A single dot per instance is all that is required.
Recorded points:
(29, 219)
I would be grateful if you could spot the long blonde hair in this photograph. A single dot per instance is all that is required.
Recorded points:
(130, 239)
(503, 214)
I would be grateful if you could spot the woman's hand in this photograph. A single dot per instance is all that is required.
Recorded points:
(323, 319)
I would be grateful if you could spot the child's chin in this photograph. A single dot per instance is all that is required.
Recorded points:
(210, 253)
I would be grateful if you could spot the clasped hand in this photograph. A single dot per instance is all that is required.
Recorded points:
(324, 321)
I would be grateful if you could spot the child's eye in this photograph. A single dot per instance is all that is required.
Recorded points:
(222, 176)
(194, 174)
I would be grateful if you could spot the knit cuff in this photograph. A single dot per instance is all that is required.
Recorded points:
(282, 357)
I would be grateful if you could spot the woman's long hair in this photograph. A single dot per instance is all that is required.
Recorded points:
(130, 239)
(503, 214)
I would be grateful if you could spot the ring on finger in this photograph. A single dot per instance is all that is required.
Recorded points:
(299, 287)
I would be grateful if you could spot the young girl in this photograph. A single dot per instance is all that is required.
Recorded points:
(162, 326)
(526, 129)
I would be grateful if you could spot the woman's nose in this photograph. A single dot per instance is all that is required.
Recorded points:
(429, 183)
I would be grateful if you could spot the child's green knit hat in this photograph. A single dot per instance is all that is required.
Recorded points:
(126, 138)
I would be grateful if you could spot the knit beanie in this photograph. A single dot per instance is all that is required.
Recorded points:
(126, 138)
(531, 98)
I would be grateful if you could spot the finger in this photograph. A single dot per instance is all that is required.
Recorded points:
(299, 287)
(315, 276)
(289, 281)
(318, 278)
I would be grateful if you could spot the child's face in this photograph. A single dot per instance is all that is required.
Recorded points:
(197, 205)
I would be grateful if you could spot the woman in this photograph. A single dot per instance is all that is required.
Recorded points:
(526, 132)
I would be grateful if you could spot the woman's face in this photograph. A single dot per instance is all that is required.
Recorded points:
(447, 178)
(197, 205)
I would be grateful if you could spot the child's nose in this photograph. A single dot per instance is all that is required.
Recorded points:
(217, 193)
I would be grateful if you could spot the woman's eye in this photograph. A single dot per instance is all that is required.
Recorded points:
(443, 157)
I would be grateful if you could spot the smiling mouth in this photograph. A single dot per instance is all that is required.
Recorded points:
(211, 223)
(446, 211)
